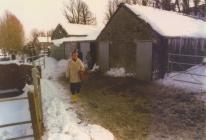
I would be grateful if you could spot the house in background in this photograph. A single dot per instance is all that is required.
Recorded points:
(59, 32)
(70, 36)
(45, 44)
(148, 41)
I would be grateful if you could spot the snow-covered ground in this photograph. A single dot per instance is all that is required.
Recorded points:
(13, 112)
(60, 119)
(118, 72)
(191, 80)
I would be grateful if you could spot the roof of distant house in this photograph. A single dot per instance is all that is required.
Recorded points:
(79, 29)
(82, 32)
(44, 39)
(168, 23)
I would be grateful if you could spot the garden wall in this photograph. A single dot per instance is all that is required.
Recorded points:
(14, 76)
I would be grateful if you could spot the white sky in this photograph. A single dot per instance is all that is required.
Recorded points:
(45, 14)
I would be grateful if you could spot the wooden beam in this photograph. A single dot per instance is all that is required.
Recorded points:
(13, 99)
(188, 82)
(189, 64)
(20, 138)
(175, 54)
(13, 124)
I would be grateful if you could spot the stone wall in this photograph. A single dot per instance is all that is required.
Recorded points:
(14, 76)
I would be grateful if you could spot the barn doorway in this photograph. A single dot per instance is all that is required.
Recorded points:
(144, 60)
(103, 54)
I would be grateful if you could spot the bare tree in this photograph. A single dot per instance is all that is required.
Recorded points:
(111, 8)
(86, 16)
(157, 4)
(196, 3)
(77, 11)
(177, 3)
(166, 5)
(37, 33)
(113, 5)
(186, 6)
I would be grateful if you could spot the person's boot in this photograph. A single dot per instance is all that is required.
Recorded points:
(74, 98)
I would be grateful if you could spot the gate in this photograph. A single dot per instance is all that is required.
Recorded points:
(177, 64)
(31, 104)
(25, 120)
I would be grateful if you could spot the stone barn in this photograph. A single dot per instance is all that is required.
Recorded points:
(146, 41)
(82, 37)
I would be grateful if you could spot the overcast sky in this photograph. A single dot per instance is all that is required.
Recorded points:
(45, 14)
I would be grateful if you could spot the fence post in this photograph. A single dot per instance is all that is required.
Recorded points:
(36, 104)
(34, 109)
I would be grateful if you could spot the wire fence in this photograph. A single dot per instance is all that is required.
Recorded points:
(177, 65)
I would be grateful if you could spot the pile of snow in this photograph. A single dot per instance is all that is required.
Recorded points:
(13, 112)
(191, 80)
(118, 72)
(53, 68)
(28, 88)
(79, 29)
(165, 22)
(95, 67)
(60, 120)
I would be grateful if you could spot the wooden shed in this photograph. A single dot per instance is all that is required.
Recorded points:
(71, 36)
(141, 38)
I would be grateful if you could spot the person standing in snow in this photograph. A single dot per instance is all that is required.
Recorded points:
(74, 72)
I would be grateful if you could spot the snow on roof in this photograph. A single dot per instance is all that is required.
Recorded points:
(170, 24)
(44, 39)
(90, 34)
(78, 29)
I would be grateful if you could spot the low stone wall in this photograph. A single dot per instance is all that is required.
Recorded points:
(14, 76)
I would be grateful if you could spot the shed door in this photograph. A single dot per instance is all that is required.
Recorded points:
(85, 48)
(103, 55)
(144, 60)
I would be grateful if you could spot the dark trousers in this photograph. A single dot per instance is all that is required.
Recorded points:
(75, 87)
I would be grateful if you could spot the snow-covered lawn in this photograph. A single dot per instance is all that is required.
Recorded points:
(191, 80)
(60, 119)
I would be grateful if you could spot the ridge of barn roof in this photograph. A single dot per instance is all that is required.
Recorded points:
(79, 33)
(79, 29)
(168, 23)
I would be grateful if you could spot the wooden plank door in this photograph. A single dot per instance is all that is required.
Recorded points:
(144, 60)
